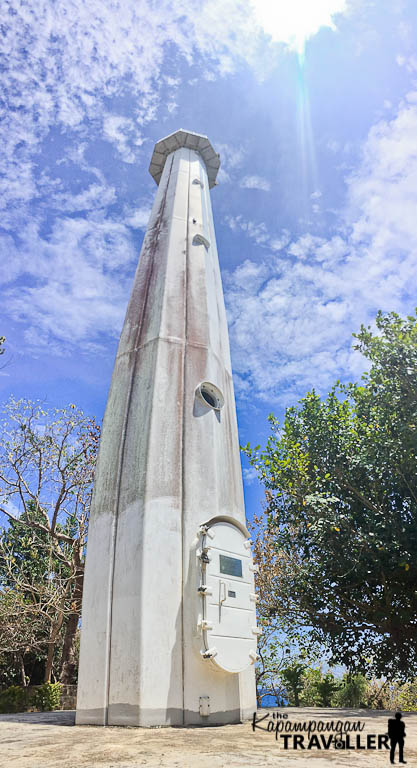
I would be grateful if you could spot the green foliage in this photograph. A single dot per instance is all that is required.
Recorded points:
(341, 487)
(407, 696)
(326, 689)
(353, 691)
(309, 696)
(319, 690)
(26, 553)
(391, 695)
(47, 461)
(13, 699)
(292, 677)
(271, 655)
(47, 697)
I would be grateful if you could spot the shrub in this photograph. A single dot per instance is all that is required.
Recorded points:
(13, 699)
(309, 696)
(352, 692)
(47, 697)
(326, 689)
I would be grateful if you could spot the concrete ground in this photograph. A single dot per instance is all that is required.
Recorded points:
(50, 740)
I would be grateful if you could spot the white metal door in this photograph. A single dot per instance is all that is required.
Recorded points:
(228, 622)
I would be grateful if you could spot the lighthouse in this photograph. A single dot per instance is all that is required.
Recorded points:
(169, 631)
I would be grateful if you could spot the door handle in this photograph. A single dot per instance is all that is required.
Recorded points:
(222, 592)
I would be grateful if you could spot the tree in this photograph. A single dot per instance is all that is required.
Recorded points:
(309, 696)
(352, 692)
(23, 637)
(38, 586)
(271, 659)
(292, 676)
(279, 644)
(47, 462)
(326, 689)
(341, 493)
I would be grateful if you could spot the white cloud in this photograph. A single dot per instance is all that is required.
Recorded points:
(250, 475)
(291, 319)
(333, 146)
(278, 243)
(70, 71)
(231, 158)
(304, 246)
(258, 232)
(138, 218)
(94, 197)
(79, 281)
(124, 134)
(409, 62)
(248, 276)
(73, 77)
(255, 182)
(64, 66)
(405, 33)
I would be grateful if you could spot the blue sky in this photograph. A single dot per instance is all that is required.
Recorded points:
(313, 108)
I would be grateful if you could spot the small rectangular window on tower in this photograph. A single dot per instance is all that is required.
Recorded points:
(230, 566)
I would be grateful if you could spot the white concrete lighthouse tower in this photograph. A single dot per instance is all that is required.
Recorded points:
(168, 624)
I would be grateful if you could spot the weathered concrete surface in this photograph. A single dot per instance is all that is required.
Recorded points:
(167, 464)
(40, 741)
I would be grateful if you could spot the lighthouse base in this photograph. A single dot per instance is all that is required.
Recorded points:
(131, 716)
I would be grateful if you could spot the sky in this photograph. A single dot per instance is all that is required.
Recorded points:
(313, 109)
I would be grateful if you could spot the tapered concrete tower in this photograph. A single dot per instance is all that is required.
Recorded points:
(169, 624)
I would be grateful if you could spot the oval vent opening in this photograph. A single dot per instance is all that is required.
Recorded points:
(210, 395)
(201, 240)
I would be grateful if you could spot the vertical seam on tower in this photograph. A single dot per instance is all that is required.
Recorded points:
(121, 462)
(213, 264)
(184, 394)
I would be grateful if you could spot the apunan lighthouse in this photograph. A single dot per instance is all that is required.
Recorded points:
(169, 623)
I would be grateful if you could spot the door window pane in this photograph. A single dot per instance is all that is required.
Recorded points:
(230, 566)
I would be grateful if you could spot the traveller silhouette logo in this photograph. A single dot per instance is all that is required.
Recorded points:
(396, 733)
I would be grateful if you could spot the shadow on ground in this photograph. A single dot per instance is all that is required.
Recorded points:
(67, 717)
(59, 717)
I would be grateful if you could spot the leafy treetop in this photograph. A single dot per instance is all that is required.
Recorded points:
(341, 488)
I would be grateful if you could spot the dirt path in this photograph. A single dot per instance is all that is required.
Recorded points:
(50, 740)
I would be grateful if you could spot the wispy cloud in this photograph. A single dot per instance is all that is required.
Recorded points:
(255, 182)
(78, 80)
(231, 158)
(137, 218)
(258, 232)
(72, 71)
(409, 62)
(124, 134)
(291, 318)
(72, 85)
(94, 197)
(77, 280)
(82, 85)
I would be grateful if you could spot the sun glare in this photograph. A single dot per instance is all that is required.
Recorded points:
(294, 21)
